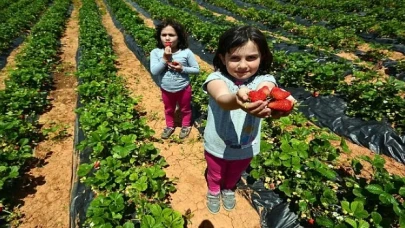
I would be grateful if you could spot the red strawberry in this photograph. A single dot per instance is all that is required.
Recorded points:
(97, 165)
(174, 63)
(265, 90)
(311, 221)
(279, 94)
(315, 94)
(256, 96)
(168, 44)
(281, 105)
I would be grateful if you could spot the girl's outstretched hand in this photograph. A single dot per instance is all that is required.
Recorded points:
(257, 108)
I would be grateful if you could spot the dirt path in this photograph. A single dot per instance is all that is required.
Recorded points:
(46, 198)
(10, 65)
(185, 159)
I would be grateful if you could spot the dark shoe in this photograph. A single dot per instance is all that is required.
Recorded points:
(228, 199)
(185, 131)
(213, 203)
(167, 132)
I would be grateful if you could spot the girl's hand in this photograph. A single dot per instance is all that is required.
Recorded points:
(167, 54)
(257, 108)
(176, 66)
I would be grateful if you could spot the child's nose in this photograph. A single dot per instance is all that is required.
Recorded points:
(242, 64)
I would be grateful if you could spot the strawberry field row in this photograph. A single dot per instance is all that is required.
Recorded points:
(5, 4)
(120, 164)
(25, 96)
(318, 36)
(377, 8)
(21, 17)
(7, 12)
(373, 22)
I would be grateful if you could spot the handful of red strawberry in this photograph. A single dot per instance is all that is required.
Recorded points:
(277, 98)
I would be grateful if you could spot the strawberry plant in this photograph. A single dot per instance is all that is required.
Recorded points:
(106, 211)
(125, 170)
(25, 95)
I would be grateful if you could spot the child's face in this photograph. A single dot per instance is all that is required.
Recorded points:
(242, 62)
(168, 34)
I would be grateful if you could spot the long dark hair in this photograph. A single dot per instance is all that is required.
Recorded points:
(181, 33)
(238, 36)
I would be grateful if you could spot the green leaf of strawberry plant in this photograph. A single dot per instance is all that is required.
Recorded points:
(358, 192)
(84, 169)
(149, 222)
(377, 218)
(123, 151)
(328, 173)
(344, 146)
(345, 206)
(378, 161)
(155, 172)
(386, 198)
(133, 176)
(128, 139)
(363, 224)
(284, 187)
(296, 163)
(397, 209)
(128, 225)
(116, 216)
(351, 222)
(375, 189)
(286, 163)
(102, 174)
(155, 209)
(284, 156)
(172, 219)
(141, 185)
(324, 221)
(402, 221)
(329, 197)
(303, 206)
(309, 195)
(402, 191)
(255, 174)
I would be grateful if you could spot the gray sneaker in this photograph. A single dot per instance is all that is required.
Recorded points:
(167, 132)
(185, 131)
(213, 203)
(228, 199)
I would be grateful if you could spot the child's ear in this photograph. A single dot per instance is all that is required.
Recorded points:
(222, 59)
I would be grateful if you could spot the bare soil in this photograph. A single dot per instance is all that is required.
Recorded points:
(44, 197)
(10, 65)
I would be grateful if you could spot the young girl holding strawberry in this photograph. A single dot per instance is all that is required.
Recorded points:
(170, 64)
(238, 92)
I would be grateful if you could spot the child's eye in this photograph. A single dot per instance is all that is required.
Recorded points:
(252, 58)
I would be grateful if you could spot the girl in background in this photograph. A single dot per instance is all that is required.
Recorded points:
(171, 63)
